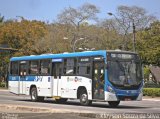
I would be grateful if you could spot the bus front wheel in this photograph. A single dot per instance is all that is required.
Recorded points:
(113, 103)
(84, 99)
(34, 95)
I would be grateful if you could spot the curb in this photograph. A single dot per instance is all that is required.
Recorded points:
(23, 108)
(150, 99)
(39, 109)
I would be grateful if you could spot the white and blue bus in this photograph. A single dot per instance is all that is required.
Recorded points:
(111, 76)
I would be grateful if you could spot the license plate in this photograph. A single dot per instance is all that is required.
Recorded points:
(127, 99)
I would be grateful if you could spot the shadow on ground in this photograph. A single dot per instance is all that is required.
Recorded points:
(97, 105)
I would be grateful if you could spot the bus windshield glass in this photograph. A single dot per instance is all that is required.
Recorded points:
(124, 70)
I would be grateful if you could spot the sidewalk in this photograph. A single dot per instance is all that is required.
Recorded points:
(39, 109)
(149, 98)
(4, 89)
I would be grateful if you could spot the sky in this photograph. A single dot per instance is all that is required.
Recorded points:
(47, 10)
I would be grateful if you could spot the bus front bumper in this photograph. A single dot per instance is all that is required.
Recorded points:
(115, 97)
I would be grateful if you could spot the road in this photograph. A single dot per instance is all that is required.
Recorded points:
(145, 106)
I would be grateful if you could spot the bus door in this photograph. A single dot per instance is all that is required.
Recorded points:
(22, 71)
(56, 80)
(98, 80)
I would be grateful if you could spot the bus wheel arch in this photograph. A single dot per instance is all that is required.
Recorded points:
(83, 96)
(34, 94)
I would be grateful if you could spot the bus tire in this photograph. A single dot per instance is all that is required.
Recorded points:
(34, 95)
(61, 100)
(113, 103)
(84, 98)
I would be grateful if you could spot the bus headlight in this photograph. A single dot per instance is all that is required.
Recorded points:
(110, 89)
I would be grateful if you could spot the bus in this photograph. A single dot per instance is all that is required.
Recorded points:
(109, 76)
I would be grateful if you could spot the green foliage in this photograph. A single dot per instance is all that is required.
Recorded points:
(22, 35)
(2, 84)
(151, 85)
(151, 92)
(148, 44)
(146, 72)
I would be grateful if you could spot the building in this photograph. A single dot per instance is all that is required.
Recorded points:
(155, 74)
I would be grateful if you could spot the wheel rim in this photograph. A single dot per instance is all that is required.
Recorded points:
(84, 97)
(33, 95)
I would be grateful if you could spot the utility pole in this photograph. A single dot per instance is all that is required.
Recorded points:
(134, 37)
(134, 31)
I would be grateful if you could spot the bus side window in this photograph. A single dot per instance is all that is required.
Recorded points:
(45, 67)
(14, 68)
(33, 67)
(54, 71)
(84, 66)
(22, 68)
(69, 66)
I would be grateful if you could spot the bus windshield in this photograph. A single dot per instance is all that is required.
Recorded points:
(125, 72)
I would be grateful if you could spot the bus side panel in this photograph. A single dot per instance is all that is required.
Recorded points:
(44, 86)
(42, 83)
(70, 86)
(14, 84)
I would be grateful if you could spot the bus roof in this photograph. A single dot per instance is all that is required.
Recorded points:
(121, 51)
(61, 55)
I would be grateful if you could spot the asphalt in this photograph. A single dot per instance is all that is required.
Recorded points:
(21, 105)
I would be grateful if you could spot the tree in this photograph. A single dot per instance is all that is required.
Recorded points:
(76, 16)
(128, 20)
(149, 44)
(134, 15)
(22, 35)
(1, 18)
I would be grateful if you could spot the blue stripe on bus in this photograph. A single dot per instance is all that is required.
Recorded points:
(29, 78)
(13, 78)
(18, 78)
(120, 92)
(52, 56)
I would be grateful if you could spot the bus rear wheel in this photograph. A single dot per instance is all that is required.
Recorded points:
(84, 98)
(113, 103)
(34, 95)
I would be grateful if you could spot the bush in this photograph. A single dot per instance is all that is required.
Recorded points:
(146, 72)
(151, 92)
(151, 85)
(2, 84)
